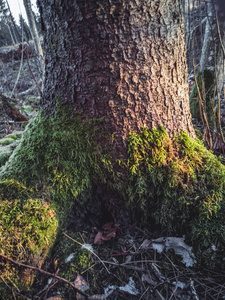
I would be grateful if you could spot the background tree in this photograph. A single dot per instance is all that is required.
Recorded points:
(26, 29)
(35, 35)
(206, 59)
(9, 21)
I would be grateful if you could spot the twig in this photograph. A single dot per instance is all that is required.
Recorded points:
(193, 290)
(144, 293)
(124, 265)
(13, 122)
(45, 273)
(218, 27)
(160, 296)
(88, 250)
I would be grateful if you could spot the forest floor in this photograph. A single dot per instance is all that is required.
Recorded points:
(114, 262)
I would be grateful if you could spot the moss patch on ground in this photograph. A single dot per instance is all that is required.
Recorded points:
(28, 228)
(72, 258)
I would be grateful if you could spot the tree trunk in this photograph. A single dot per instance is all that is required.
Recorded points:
(35, 35)
(14, 27)
(124, 61)
(207, 37)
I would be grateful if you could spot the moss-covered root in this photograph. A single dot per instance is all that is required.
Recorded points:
(27, 231)
(180, 186)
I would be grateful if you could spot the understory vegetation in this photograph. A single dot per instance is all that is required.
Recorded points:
(174, 184)
(202, 104)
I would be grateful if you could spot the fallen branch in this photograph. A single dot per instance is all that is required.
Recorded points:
(44, 273)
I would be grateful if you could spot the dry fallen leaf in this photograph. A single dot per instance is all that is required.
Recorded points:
(81, 284)
(107, 226)
(98, 238)
(109, 232)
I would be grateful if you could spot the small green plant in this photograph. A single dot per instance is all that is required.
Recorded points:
(71, 257)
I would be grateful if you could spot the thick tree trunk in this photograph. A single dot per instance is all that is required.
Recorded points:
(122, 60)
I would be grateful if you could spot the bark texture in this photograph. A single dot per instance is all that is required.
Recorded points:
(122, 60)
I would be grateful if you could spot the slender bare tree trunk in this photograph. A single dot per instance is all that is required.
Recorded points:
(35, 35)
(11, 34)
(207, 37)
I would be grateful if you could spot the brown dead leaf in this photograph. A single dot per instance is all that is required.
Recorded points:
(111, 233)
(107, 226)
(98, 238)
(81, 284)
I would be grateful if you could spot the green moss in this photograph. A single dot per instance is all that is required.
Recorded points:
(6, 141)
(27, 231)
(178, 184)
(12, 189)
(58, 152)
(80, 258)
(175, 184)
(15, 135)
(25, 226)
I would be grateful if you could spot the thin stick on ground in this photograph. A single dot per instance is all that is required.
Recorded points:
(88, 250)
(44, 273)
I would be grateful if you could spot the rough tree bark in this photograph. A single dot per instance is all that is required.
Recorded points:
(122, 60)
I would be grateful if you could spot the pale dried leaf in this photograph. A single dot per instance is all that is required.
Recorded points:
(179, 247)
(98, 238)
(81, 284)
